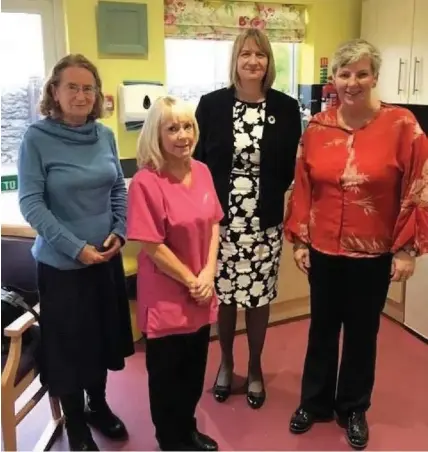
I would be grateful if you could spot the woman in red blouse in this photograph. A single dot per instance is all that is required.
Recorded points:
(358, 217)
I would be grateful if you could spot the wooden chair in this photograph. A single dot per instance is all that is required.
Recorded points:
(18, 373)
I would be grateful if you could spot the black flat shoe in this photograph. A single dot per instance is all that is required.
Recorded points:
(106, 422)
(256, 400)
(301, 421)
(357, 429)
(221, 392)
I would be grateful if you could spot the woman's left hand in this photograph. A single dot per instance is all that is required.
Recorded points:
(403, 266)
(112, 244)
(205, 286)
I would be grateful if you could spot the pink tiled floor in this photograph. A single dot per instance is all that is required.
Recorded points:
(398, 418)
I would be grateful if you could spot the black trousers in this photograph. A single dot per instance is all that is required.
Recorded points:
(350, 292)
(176, 368)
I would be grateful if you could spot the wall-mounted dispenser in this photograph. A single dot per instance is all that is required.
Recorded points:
(135, 99)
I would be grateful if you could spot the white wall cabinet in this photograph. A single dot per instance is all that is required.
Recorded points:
(416, 307)
(399, 29)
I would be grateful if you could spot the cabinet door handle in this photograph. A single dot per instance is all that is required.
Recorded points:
(415, 71)
(400, 65)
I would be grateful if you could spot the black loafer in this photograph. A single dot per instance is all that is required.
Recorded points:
(106, 422)
(200, 441)
(301, 420)
(357, 429)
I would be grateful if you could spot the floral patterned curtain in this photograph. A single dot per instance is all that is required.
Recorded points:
(225, 19)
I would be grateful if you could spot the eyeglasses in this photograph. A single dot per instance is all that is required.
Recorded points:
(87, 90)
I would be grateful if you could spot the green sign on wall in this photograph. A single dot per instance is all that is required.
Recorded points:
(9, 183)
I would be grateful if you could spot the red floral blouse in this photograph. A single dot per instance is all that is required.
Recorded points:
(362, 192)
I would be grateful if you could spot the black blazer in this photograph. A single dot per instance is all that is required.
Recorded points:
(278, 147)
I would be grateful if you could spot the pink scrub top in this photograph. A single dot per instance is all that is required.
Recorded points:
(163, 210)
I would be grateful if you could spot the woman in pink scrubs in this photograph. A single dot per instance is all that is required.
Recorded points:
(173, 211)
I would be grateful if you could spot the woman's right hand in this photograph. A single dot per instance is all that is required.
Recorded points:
(202, 295)
(90, 255)
(198, 292)
(301, 257)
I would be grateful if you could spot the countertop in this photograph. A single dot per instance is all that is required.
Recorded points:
(293, 288)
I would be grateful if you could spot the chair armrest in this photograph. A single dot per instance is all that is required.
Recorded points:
(17, 230)
(21, 324)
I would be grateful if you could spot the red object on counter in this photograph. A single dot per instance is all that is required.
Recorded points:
(108, 105)
(330, 98)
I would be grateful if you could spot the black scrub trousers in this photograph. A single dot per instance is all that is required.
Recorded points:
(176, 368)
(350, 292)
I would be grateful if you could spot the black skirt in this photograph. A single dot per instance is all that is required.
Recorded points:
(85, 325)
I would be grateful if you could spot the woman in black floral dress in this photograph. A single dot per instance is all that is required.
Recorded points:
(249, 137)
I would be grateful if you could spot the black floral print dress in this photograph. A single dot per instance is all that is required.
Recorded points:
(248, 257)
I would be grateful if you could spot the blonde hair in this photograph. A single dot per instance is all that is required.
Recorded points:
(49, 107)
(264, 45)
(352, 51)
(149, 152)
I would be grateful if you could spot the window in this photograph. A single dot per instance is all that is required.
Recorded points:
(29, 43)
(196, 67)
(27, 55)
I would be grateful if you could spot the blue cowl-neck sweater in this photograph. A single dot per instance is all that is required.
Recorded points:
(71, 189)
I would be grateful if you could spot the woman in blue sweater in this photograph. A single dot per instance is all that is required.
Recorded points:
(72, 192)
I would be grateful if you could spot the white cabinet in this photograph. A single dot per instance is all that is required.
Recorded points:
(416, 305)
(399, 29)
(418, 83)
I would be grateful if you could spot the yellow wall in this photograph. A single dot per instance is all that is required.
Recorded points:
(82, 38)
(329, 23)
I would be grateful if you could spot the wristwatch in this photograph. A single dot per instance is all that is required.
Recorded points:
(299, 246)
(410, 251)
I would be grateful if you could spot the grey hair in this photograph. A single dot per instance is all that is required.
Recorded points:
(352, 51)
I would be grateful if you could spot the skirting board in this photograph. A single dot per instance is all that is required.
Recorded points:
(394, 310)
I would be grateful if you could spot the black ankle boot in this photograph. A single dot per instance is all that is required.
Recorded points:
(78, 432)
(103, 419)
(100, 416)
(79, 436)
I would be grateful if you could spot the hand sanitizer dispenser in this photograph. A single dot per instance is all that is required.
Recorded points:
(135, 99)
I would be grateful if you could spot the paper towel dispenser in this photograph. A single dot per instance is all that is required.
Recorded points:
(136, 98)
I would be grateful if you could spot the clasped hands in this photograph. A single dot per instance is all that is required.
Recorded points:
(91, 255)
(201, 288)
